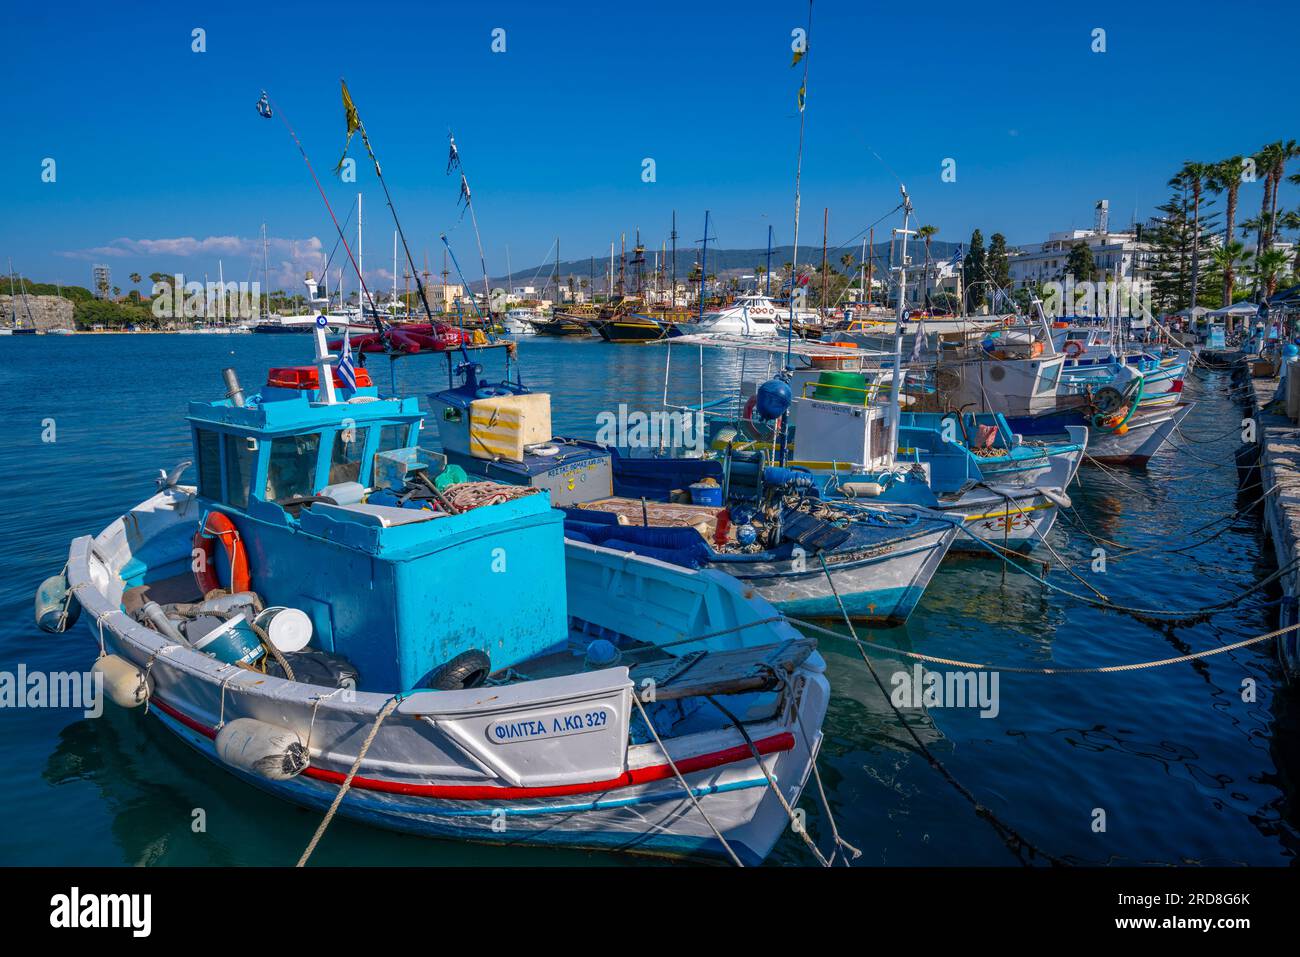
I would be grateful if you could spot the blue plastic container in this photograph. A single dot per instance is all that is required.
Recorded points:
(705, 494)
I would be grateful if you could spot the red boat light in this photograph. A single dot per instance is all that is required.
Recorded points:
(308, 377)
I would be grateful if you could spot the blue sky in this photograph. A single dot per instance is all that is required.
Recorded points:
(156, 144)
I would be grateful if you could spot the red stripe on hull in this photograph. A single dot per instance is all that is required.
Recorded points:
(773, 744)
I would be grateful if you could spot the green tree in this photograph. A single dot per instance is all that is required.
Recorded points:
(1225, 177)
(1269, 265)
(973, 270)
(1080, 263)
(1192, 177)
(999, 265)
(927, 234)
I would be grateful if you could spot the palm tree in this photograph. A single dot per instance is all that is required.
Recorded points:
(1225, 260)
(1265, 160)
(1193, 175)
(927, 233)
(1283, 152)
(1225, 177)
(847, 262)
(1268, 266)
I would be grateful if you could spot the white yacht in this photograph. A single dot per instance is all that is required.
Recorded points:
(519, 322)
(751, 315)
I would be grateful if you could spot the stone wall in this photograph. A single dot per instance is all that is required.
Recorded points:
(47, 312)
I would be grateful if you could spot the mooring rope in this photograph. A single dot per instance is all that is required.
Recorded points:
(840, 843)
(1005, 831)
(1235, 430)
(1011, 669)
(771, 783)
(1160, 613)
(1130, 550)
(389, 707)
(636, 699)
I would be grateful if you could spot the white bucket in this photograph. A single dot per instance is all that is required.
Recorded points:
(288, 628)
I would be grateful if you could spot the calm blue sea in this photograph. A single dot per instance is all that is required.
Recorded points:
(1184, 769)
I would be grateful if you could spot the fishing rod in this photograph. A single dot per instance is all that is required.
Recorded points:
(265, 109)
(356, 126)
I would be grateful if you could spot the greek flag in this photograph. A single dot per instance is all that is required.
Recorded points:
(347, 371)
(957, 257)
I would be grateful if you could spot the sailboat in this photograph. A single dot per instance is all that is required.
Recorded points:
(15, 328)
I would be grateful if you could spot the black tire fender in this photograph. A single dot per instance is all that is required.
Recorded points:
(469, 669)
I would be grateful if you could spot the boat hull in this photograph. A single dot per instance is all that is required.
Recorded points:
(880, 585)
(1147, 433)
(434, 768)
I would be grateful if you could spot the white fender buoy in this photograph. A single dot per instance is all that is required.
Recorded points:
(262, 749)
(57, 608)
(125, 682)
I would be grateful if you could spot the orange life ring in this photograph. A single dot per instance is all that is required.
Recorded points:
(1076, 351)
(749, 417)
(219, 527)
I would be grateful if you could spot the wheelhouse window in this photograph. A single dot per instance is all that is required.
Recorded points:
(345, 457)
(241, 455)
(392, 437)
(291, 466)
(208, 444)
(1047, 381)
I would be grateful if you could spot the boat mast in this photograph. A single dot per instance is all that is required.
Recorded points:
(798, 180)
(862, 276)
(266, 282)
(360, 305)
(674, 238)
(767, 272)
(871, 261)
(704, 259)
(826, 222)
(895, 398)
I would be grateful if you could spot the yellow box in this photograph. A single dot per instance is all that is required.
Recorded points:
(501, 426)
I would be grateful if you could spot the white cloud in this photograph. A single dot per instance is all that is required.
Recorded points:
(289, 260)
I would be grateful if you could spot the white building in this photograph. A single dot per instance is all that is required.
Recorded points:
(1116, 255)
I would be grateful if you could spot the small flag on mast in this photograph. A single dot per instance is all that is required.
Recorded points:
(264, 105)
(354, 123)
(453, 158)
(347, 371)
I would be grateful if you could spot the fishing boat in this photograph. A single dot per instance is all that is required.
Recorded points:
(466, 670)
(848, 430)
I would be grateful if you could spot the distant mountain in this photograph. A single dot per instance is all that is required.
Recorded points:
(725, 262)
